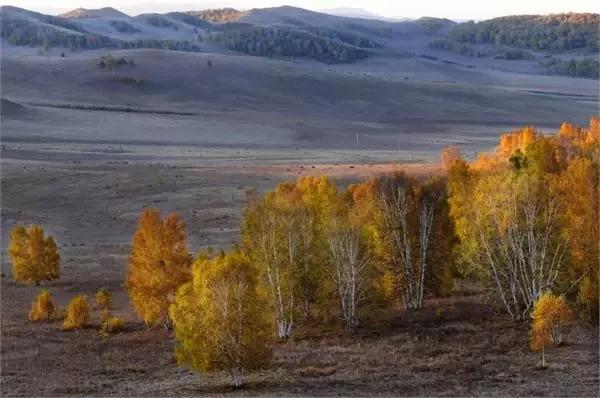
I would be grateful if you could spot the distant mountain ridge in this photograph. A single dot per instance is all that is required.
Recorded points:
(106, 12)
(291, 32)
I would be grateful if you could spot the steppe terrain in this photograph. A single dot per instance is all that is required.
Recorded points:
(85, 149)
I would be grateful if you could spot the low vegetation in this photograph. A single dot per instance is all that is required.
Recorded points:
(550, 314)
(77, 313)
(43, 308)
(103, 299)
(111, 325)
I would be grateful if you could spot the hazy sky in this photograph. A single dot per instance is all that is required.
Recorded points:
(457, 9)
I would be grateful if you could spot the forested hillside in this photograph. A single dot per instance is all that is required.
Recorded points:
(539, 32)
(288, 42)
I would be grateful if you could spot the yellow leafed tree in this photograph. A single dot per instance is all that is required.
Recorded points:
(549, 315)
(159, 263)
(222, 319)
(34, 255)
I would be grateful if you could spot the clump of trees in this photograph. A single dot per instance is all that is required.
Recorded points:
(585, 67)
(221, 317)
(159, 264)
(283, 234)
(281, 41)
(124, 27)
(550, 314)
(526, 216)
(34, 255)
(316, 246)
(218, 14)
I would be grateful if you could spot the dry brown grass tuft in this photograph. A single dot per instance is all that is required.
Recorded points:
(314, 371)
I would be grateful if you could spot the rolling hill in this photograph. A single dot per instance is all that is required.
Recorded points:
(540, 44)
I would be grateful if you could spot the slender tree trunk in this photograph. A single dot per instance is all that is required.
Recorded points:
(543, 358)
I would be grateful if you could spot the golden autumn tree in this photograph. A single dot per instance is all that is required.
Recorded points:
(550, 314)
(158, 264)
(77, 313)
(283, 234)
(578, 190)
(43, 308)
(221, 318)
(34, 255)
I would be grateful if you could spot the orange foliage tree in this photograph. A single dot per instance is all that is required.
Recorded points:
(158, 264)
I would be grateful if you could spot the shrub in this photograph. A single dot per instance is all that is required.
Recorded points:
(43, 307)
(103, 299)
(78, 313)
(34, 255)
(550, 314)
(159, 263)
(112, 325)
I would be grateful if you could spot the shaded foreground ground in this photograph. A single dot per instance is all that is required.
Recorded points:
(90, 201)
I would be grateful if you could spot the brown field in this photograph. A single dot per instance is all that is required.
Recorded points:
(89, 199)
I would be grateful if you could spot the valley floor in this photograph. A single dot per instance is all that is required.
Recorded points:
(90, 196)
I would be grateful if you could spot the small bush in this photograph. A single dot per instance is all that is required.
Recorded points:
(112, 325)
(43, 307)
(103, 299)
(78, 313)
(550, 314)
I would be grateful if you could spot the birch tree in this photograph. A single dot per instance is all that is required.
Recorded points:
(272, 242)
(518, 235)
(221, 318)
(409, 214)
(350, 270)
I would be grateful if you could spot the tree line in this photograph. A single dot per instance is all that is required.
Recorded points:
(523, 220)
